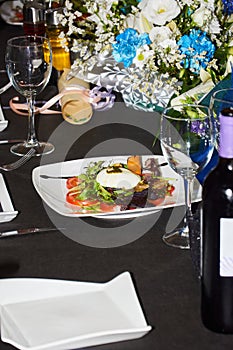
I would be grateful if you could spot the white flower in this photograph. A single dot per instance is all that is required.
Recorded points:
(187, 2)
(159, 12)
(229, 65)
(142, 56)
(138, 22)
(159, 34)
(201, 15)
(214, 26)
(105, 4)
(171, 43)
(68, 5)
(78, 13)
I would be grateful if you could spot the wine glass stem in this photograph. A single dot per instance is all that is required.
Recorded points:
(188, 200)
(32, 139)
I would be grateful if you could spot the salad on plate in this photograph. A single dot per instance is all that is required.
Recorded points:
(118, 186)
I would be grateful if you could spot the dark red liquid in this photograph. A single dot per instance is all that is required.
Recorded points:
(34, 28)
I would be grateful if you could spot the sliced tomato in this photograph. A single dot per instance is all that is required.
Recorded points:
(89, 202)
(106, 208)
(157, 201)
(170, 189)
(72, 182)
(72, 198)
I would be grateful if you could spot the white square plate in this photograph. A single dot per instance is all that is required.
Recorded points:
(53, 191)
(8, 213)
(61, 315)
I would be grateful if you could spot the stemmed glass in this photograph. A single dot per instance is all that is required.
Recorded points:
(29, 66)
(187, 142)
(220, 99)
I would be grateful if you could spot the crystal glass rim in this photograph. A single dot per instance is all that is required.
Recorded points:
(10, 42)
(181, 106)
(222, 99)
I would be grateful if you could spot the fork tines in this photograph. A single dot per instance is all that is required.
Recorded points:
(19, 162)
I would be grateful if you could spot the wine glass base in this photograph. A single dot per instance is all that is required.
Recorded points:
(177, 239)
(20, 149)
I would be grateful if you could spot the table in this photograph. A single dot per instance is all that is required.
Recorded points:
(164, 277)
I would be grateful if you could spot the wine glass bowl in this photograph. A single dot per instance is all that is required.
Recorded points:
(29, 66)
(187, 142)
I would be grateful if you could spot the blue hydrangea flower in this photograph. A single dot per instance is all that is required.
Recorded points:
(197, 48)
(127, 43)
(227, 6)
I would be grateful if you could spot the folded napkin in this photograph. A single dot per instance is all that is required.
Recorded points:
(7, 212)
(3, 122)
(75, 108)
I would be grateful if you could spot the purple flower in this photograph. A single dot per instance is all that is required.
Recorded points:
(197, 127)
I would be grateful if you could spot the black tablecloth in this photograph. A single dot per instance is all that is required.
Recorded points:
(164, 277)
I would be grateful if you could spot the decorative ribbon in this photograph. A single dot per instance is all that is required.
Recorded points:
(100, 100)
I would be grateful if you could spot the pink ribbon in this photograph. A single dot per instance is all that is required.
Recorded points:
(100, 100)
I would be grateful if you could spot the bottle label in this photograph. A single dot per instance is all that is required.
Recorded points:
(226, 139)
(226, 247)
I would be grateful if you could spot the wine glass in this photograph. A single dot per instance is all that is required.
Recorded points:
(220, 99)
(187, 142)
(29, 65)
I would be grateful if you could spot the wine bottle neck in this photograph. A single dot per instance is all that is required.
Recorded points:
(226, 137)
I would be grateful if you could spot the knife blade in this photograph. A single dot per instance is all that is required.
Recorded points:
(43, 176)
(27, 231)
(55, 177)
(3, 142)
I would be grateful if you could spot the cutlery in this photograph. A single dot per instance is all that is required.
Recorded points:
(19, 162)
(68, 177)
(4, 142)
(6, 87)
(27, 231)
(56, 177)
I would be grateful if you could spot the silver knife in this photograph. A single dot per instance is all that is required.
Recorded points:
(3, 142)
(27, 230)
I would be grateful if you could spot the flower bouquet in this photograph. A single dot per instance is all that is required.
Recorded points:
(154, 52)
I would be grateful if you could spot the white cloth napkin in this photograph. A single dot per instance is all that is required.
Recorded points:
(3, 121)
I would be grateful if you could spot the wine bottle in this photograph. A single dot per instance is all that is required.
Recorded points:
(59, 45)
(33, 18)
(217, 236)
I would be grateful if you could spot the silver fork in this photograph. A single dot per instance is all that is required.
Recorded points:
(21, 161)
(6, 87)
